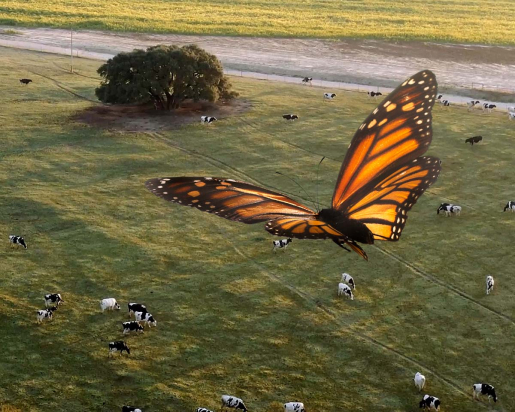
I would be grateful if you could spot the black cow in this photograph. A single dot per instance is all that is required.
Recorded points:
(118, 346)
(475, 139)
(290, 116)
(17, 240)
(374, 94)
(25, 81)
(132, 326)
(484, 389)
(307, 80)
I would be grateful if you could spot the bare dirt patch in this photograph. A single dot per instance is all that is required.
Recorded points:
(145, 118)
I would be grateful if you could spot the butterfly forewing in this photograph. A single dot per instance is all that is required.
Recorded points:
(227, 198)
(387, 200)
(396, 132)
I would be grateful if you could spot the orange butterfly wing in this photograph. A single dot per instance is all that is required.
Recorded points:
(395, 133)
(227, 198)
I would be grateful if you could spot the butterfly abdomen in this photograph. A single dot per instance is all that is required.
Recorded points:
(354, 229)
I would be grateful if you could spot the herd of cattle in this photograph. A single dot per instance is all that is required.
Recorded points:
(345, 287)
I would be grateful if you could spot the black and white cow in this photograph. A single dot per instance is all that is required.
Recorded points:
(439, 97)
(374, 94)
(17, 240)
(344, 289)
(294, 407)
(118, 346)
(290, 116)
(446, 103)
(471, 104)
(203, 410)
(45, 314)
(510, 206)
(132, 326)
(511, 109)
(474, 139)
(430, 402)
(449, 209)
(484, 389)
(53, 299)
(130, 409)
(511, 116)
(145, 317)
(207, 119)
(25, 81)
(229, 401)
(488, 107)
(307, 80)
(329, 96)
(346, 278)
(489, 284)
(136, 307)
(280, 244)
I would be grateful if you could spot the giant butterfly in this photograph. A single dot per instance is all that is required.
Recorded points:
(380, 179)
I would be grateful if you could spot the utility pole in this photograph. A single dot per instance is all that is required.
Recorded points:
(71, 50)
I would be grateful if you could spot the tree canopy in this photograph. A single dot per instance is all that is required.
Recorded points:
(165, 75)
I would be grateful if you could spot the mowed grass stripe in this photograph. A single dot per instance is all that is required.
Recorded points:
(455, 21)
(76, 193)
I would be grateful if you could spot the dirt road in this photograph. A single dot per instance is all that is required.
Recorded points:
(370, 62)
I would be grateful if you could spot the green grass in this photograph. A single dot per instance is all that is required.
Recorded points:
(232, 316)
(472, 21)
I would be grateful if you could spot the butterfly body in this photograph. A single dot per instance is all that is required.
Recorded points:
(381, 178)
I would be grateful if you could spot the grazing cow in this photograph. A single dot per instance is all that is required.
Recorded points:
(445, 102)
(130, 409)
(25, 81)
(132, 326)
(329, 96)
(511, 109)
(511, 116)
(471, 104)
(294, 407)
(45, 314)
(207, 119)
(136, 307)
(430, 402)
(484, 389)
(489, 284)
(344, 289)
(203, 410)
(109, 304)
(280, 244)
(472, 140)
(17, 240)
(449, 209)
(420, 381)
(290, 116)
(439, 97)
(307, 80)
(374, 94)
(53, 298)
(510, 205)
(229, 401)
(346, 278)
(145, 317)
(118, 346)
(488, 107)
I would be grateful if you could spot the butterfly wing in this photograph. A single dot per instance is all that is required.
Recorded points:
(227, 198)
(396, 132)
(383, 204)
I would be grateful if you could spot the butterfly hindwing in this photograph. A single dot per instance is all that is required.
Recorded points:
(395, 133)
(386, 201)
(227, 198)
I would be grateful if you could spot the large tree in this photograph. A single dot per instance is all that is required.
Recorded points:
(165, 75)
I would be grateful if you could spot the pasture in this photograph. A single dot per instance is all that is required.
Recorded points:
(471, 21)
(233, 317)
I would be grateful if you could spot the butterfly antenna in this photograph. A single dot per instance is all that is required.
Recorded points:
(318, 199)
(298, 184)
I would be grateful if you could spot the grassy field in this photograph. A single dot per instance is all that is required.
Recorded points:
(475, 21)
(232, 316)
